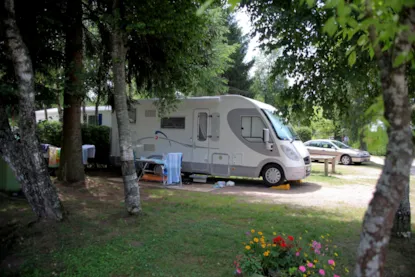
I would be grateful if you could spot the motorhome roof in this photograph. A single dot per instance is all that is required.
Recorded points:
(88, 108)
(260, 104)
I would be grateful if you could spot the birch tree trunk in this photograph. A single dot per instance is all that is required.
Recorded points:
(131, 188)
(24, 157)
(394, 180)
(71, 168)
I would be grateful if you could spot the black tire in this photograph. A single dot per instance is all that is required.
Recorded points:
(270, 174)
(346, 160)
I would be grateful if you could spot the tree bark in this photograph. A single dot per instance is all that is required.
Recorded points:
(131, 188)
(24, 157)
(362, 143)
(60, 111)
(71, 168)
(393, 182)
(402, 221)
(45, 109)
(84, 115)
(97, 106)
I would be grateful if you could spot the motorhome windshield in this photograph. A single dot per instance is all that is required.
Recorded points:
(283, 131)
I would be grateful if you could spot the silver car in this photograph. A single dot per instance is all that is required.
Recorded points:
(344, 153)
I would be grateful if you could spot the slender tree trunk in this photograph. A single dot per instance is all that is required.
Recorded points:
(97, 106)
(394, 180)
(60, 111)
(71, 168)
(131, 188)
(46, 112)
(84, 115)
(362, 143)
(24, 157)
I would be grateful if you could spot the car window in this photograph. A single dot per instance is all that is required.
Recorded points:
(326, 145)
(313, 144)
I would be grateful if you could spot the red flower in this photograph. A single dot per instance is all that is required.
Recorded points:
(291, 238)
(283, 244)
(277, 240)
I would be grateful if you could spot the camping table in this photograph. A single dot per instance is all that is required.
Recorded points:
(326, 162)
(146, 163)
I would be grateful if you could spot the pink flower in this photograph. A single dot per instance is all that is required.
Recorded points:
(297, 254)
(322, 272)
(335, 275)
(310, 264)
(301, 268)
(331, 262)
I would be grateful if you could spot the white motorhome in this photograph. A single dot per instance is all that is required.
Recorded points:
(104, 115)
(228, 135)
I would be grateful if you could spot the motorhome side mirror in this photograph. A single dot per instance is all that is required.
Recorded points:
(265, 135)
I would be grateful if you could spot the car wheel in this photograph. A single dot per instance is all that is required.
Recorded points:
(273, 175)
(346, 160)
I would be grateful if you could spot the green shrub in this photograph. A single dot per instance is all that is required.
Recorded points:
(305, 133)
(100, 137)
(51, 132)
(376, 141)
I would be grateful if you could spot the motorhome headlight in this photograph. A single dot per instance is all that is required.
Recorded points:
(290, 153)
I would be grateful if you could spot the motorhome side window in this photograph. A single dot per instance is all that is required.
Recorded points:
(172, 123)
(251, 128)
(202, 126)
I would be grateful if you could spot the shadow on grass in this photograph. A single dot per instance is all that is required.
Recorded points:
(180, 233)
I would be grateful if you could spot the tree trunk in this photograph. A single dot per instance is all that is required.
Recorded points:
(84, 115)
(392, 184)
(71, 168)
(60, 111)
(97, 106)
(131, 188)
(402, 221)
(24, 157)
(46, 112)
(362, 143)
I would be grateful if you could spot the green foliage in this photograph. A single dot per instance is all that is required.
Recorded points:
(322, 127)
(266, 87)
(305, 133)
(316, 61)
(100, 137)
(379, 20)
(376, 140)
(51, 132)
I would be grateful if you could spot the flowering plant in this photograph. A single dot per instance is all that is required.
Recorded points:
(283, 256)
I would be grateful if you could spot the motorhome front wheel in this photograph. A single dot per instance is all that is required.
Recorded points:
(273, 175)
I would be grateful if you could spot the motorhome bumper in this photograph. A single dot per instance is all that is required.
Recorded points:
(297, 173)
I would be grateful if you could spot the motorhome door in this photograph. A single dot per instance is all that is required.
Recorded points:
(200, 156)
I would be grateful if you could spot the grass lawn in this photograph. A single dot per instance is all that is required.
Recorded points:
(180, 233)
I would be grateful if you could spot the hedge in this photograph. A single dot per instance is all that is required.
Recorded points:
(51, 132)
(305, 133)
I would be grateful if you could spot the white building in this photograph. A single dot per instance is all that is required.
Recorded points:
(104, 115)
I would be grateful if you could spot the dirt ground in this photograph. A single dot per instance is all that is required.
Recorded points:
(356, 189)
(352, 186)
